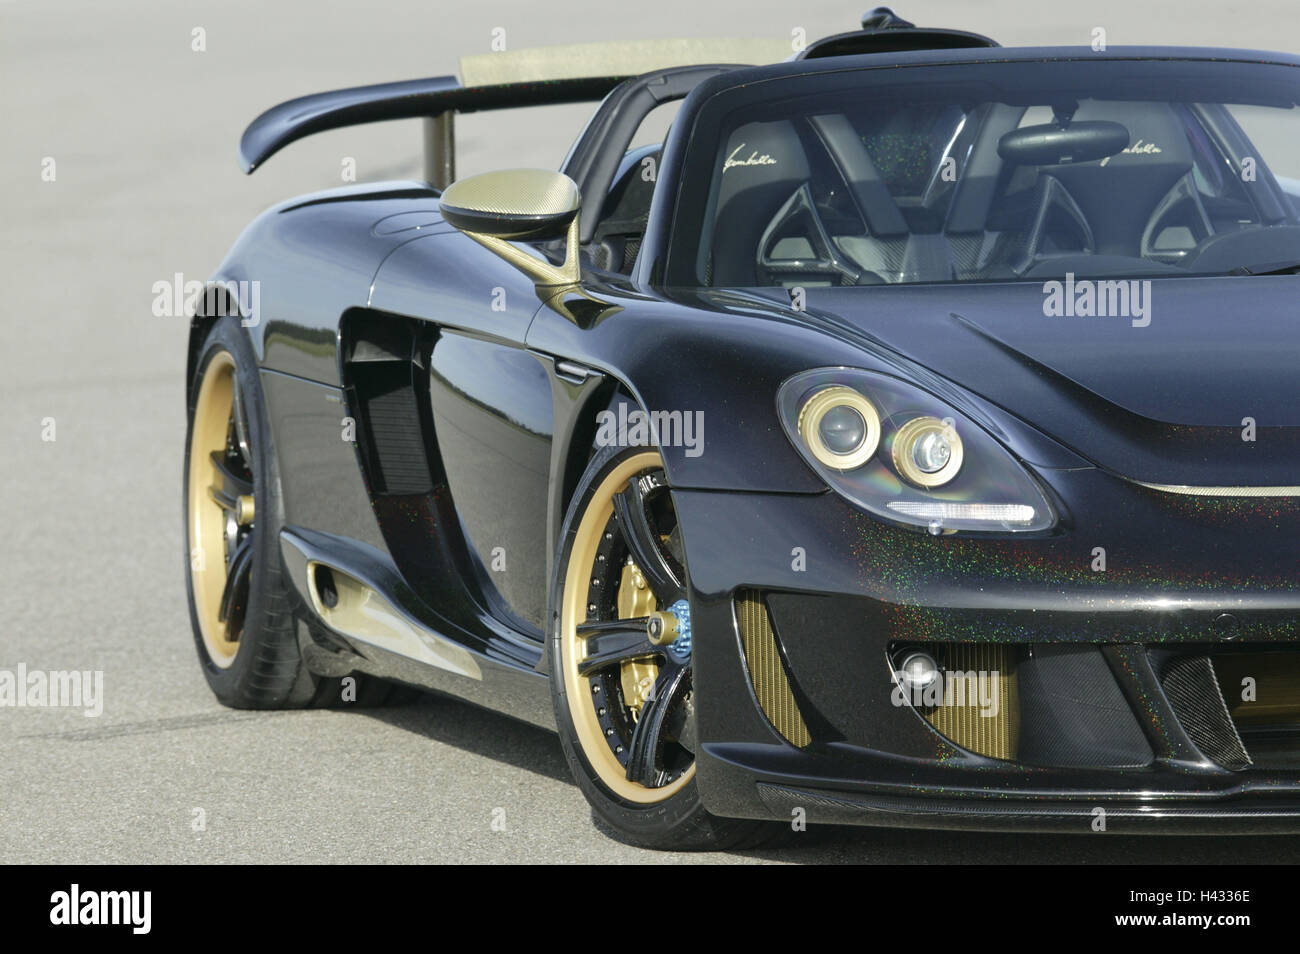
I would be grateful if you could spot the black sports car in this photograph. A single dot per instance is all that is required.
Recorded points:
(912, 438)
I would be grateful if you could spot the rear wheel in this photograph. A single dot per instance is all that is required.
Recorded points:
(620, 655)
(241, 607)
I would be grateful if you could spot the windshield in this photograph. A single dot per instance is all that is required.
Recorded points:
(992, 171)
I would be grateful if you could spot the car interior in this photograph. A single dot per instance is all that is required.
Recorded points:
(622, 222)
(941, 192)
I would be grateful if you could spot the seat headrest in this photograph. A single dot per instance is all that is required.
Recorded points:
(1118, 194)
(761, 164)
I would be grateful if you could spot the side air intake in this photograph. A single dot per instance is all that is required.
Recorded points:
(1193, 690)
(766, 670)
(981, 699)
(1261, 687)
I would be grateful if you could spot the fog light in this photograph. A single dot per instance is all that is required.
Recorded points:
(918, 671)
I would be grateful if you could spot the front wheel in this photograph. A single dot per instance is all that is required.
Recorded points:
(620, 656)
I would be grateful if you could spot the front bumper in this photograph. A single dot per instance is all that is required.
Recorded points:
(1120, 720)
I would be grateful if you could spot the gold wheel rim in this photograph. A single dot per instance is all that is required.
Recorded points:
(213, 507)
(582, 705)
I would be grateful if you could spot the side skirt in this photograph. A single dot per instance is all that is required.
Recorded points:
(363, 617)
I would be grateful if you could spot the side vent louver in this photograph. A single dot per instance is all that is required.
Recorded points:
(766, 670)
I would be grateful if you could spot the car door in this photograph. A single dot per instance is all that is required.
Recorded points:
(491, 409)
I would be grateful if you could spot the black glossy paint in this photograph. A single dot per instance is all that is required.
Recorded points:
(508, 433)
(493, 420)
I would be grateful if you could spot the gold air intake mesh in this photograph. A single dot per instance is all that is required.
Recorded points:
(961, 718)
(766, 672)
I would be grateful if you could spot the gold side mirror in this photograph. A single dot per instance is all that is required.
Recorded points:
(520, 204)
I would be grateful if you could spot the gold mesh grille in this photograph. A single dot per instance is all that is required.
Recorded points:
(766, 672)
(961, 718)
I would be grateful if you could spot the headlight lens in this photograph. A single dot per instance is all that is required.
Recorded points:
(904, 455)
(843, 429)
(839, 426)
(927, 451)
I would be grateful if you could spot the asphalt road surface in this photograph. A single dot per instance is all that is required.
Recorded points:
(138, 129)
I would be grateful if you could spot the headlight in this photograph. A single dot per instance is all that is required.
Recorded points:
(927, 452)
(840, 427)
(902, 454)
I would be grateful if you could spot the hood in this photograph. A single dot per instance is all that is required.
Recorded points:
(1165, 392)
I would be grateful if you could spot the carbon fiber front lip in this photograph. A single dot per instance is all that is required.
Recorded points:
(1238, 816)
(1187, 490)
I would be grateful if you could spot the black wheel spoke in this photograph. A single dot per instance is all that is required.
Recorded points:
(644, 755)
(240, 416)
(615, 641)
(240, 484)
(223, 499)
(643, 542)
(237, 577)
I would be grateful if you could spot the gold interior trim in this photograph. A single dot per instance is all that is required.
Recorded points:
(996, 736)
(573, 610)
(206, 518)
(766, 671)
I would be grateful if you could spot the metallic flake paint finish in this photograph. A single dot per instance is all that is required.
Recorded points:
(1182, 572)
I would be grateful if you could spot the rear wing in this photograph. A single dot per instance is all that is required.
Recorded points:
(535, 77)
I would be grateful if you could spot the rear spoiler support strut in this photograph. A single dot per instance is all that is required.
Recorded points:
(440, 150)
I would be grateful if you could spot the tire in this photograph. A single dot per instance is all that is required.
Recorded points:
(598, 711)
(245, 630)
